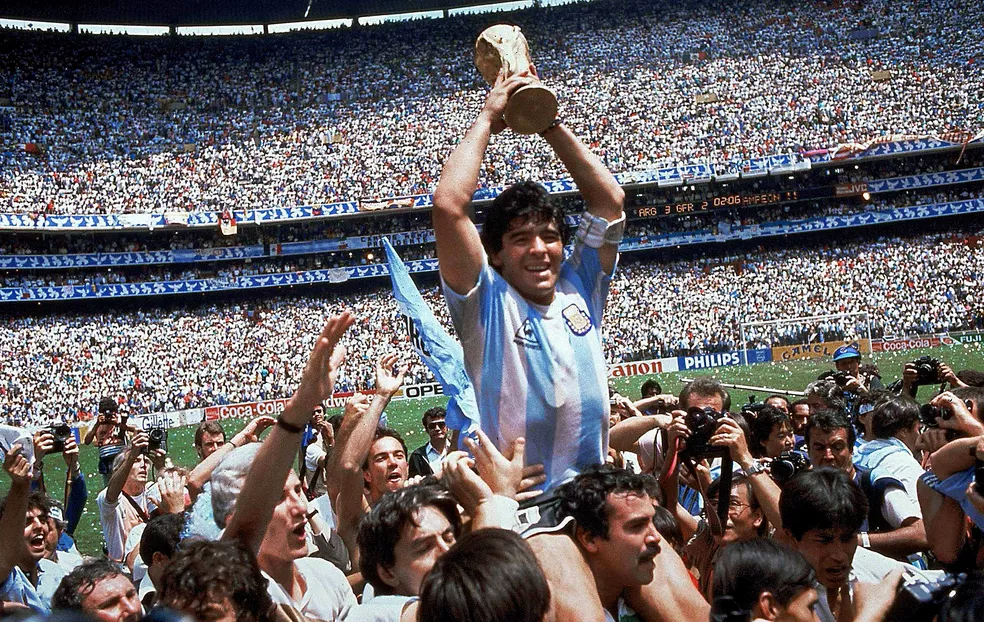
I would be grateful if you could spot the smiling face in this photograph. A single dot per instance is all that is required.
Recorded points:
(388, 468)
(744, 520)
(36, 531)
(831, 553)
(626, 556)
(780, 439)
(530, 258)
(286, 536)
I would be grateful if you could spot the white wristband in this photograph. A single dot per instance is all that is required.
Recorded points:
(595, 231)
(865, 540)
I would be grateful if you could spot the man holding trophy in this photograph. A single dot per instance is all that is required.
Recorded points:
(530, 321)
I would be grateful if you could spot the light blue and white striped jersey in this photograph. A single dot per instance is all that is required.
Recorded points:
(539, 371)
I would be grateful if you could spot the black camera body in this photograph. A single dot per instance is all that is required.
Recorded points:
(158, 439)
(920, 599)
(702, 423)
(62, 432)
(786, 465)
(928, 369)
(840, 377)
(928, 415)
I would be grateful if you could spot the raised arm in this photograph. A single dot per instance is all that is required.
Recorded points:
(264, 485)
(603, 195)
(12, 521)
(459, 248)
(118, 479)
(203, 471)
(625, 435)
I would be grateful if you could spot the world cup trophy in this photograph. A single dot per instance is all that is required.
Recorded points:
(532, 108)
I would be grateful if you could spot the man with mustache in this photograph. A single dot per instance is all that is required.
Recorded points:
(613, 509)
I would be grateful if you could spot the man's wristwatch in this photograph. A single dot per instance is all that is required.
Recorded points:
(757, 467)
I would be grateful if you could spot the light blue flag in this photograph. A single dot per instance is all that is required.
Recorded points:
(441, 353)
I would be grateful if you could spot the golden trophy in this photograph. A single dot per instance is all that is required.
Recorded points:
(532, 108)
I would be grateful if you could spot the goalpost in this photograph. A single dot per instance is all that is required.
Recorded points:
(853, 326)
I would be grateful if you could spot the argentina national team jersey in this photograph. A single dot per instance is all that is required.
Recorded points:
(539, 371)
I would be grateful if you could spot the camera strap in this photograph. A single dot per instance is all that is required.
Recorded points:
(142, 513)
(724, 491)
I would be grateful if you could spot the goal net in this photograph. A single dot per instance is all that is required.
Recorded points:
(845, 327)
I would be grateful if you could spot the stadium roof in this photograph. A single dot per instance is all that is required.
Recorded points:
(210, 12)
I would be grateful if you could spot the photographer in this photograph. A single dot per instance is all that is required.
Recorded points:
(646, 436)
(46, 442)
(754, 497)
(847, 360)
(109, 434)
(927, 371)
(123, 504)
(896, 528)
(943, 489)
(772, 433)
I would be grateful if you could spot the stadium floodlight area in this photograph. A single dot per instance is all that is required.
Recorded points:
(374, 20)
(314, 24)
(807, 329)
(32, 24)
(245, 29)
(491, 8)
(124, 29)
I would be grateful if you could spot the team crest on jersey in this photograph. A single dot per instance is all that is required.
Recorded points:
(577, 320)
(525, 335)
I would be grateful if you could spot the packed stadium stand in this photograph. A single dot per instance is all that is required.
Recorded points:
(775, 169)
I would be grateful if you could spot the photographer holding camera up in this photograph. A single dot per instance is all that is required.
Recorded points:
(124, 503)
(943, 490)
(109, 433)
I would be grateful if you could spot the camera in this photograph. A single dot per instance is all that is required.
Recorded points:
(62, 432)
(751, 409)
(702, 423)
(786, 465)
(928, 369)
(920, 598)
(158, 439)
(841, 378)
(928, 414)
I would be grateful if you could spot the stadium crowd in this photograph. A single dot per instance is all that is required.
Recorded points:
(848, 505)
(58, 365)
(200, 124)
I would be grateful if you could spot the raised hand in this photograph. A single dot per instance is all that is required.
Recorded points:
(388, 382)
(17, 466)
(251, 433)
(318, 379)
(44, 442)
(172, 488)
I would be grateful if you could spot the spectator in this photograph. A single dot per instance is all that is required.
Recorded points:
(29, 579)
(216, 580)
(99, 589)
(158, 545)
(425, 459)
(822, 513)
(488, 575)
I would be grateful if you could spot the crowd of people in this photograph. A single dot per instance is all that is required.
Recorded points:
(56, 366)
(127, 125)
(838, 507)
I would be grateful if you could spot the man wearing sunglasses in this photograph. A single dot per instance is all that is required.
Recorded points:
(425, 459)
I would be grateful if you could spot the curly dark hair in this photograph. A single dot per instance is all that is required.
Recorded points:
(382, 527)
(526, 200)
(490, 575)
(586, 496)
(78, 584)
(205, 571)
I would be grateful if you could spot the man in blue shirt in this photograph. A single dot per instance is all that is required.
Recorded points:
(530, 328)
(29, 580)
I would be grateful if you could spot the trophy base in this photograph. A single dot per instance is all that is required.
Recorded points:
(531, 109)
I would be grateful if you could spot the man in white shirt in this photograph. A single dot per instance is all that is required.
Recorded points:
(123, 504)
